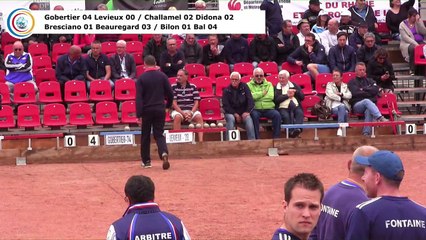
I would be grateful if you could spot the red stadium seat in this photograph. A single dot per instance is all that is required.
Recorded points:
(50, 92)
(419, 58)
(146, 38)
(29, 116)
(43, 61)
(54, 115)
(2, 76)
(128, 112)
(218, 69)
(129, 37)
(7, 39)
(106, 113)
(244, 68)
(195, 70)
(304, 81)
(109, 47)
(221, 83)
(24, 93)
(139, 70)
(269, 68)
(273, 79)
(204, 86)
(5, 93)
(100, 90)
(8, 49)
(80, 114)
(59, 49)
(134, 46)
(388, 103)
(38, 49)
(138, 56)
(125, 89)
(179, 42)
(75, 91)
(307, 104)
(321, 82)
(172, 80)
(291, 68)
(347, 76)
(45, 74)
(210, 109)
(246, 79)
(7, 119)
(203, 42)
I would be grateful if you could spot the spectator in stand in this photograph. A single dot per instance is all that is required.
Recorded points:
(191, 49)
(58, 8)
(155, 46)
(312, 13)
(200, 5)
(356, 40)
(19, 66)
(366, 52)
(413, 33)
(98, 65)
(337, 97)
(311, 57)
(288, 99)
(396, 14)
(364, 96)
(84, 41)
(286, 42)
(70, 66)
(322, 22)
(59, 38)
(262, 49)
(237, 104)
(346, 22)
(342, 56)
(342, 198)
(273, 16)
(329, 36)
(186, 100)
(102, 7)
(304, 30)
(122, 64)
(264, 106)
(212, 52)
(171, 60)
(362, 13)
(236, 50)
(380, 70)
(303, 195)
(391, 215)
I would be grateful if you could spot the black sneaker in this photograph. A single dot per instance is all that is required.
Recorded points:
(147, 165)
(296, 132)
(166, 164)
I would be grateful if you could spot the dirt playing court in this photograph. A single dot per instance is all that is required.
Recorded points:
(231, 198)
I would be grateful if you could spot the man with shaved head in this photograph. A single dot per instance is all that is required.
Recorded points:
(329, 36)
(70, 66)
(341, 199)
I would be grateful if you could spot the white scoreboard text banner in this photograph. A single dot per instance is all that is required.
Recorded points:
(119, 139)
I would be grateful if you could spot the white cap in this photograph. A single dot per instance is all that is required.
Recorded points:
(345, 12)
(322, 12)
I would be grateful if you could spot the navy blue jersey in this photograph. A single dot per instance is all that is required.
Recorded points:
(338, 203)
(146, 221)
(390, 218)
(283, 234)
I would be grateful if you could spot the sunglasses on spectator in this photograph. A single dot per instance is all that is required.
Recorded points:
(17, 49)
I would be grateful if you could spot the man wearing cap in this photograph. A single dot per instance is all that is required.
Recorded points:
(346, 24)
(312, 13)
(356, 40)
(341, 199)
(304, 30)
(273, 15)
(389, 216)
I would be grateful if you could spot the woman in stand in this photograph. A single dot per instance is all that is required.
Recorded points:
(322, 22)
(396, 15)
(380, 70)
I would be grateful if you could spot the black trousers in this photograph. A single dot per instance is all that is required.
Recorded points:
(154, 119)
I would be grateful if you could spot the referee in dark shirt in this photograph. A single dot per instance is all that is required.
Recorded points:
(152, 89)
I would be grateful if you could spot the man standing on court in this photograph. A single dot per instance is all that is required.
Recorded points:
(302, 207)
(152, 88)
(341, 199)
(143, 218)
(390, 216)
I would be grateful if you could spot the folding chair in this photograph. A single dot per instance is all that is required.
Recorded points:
(210, 109)
(244, 68)
(106, 113)
(291, 68)
(221, 83)
(269, 68)
(100, 90)
(125, 89)
(45, 74)
(7, 119)
(304, 81)
(29, 116)
(50, 92)
(38, 49)
(308, 104)
(75, 91)
(109, 47)
(128, 112)
(24, 93)
(321, 82)
(54, 115)
(195, 70)
(388, 106)
(80, 114)
(204, 86)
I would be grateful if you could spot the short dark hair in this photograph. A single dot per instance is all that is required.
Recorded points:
(337, 70)
(139, 189)
(96, 42)
(360, 64)
(311, 35)
(339, 34)
(305, 180)
(286, 22)
(34, 4)
(381, 52)
(390, 3)
(412, 11)
(184, 71)
(149, 60)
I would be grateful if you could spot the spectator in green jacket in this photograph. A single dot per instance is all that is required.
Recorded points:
(264, 106)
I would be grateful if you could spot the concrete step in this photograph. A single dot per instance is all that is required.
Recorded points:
(414, 118)
(410, 90)
(411, 104)
(403, 66)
